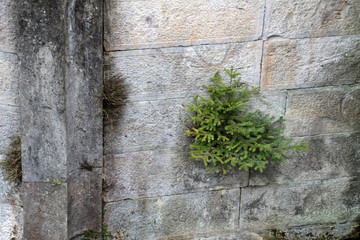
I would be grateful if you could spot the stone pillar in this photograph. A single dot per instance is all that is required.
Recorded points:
(60, 48)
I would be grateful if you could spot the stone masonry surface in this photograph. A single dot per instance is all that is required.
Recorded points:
(11, 217)
(304, 56)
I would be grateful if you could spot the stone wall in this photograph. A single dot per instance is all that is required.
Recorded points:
(10, 203)
(304, 55)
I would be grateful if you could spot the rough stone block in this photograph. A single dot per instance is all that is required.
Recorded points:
(149, 125)
(329, 157)
(7, 26)
(8, 78)
(342, 230)
(323, 110)
(83, 83)
(9, 125)
(40, 41)
(312, 18)
(232, 236)
(304, 63)
(269, 102)
(170, 216)
(152, 23)
(162, 172)
(84, 201)
(182, 71)
(288, 206)
(9, 226)
(45, 211)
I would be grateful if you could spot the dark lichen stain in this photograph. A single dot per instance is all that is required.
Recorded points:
(275, 234)
(355, 233)
(86, 166)
(256, 204)
(299, 210)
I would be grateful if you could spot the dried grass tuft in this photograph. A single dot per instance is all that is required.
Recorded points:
(114, 97)
(11, 165)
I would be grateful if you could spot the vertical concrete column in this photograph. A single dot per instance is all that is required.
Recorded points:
(60, 48)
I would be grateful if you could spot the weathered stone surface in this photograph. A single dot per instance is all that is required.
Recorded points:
(162, 172)
(233, 236)
(179, 72)
(11, 217)
(9, 125)
(10, 210)
(83, 83)
(7, 26)
(329, 157)
(152, 23)
(8, 78)
(323, 110)
(42, 93)
(312, 18)
(84, 201)
(269, 102)
(60, 49)
(10, 115)
(45, 211)
(170, 216)
(342, 230)
(315, 62)
(10, 227)
(287, 206)
(149, 125)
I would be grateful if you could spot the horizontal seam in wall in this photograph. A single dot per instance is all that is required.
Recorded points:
(275, 184)
(265, 91)
(13, 53)
(151, 149)
(175, 194)
(316, 87)
(185, 46)
(231, 42)
(327, 134)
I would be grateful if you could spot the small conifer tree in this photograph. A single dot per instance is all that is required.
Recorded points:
(228, 135)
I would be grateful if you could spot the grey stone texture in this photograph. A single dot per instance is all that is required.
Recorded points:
(10, 202)
(83, 83)
(161, 172)
(310, 62)
(323, 110)
(182, 71)
(45, 211)
(329, 157)
(304, 56)
(295, 205)
(84, 201)
(42, 90)
(7, 26)
(59, 44)
(152, 23)
(175, 216)
(312, 18)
